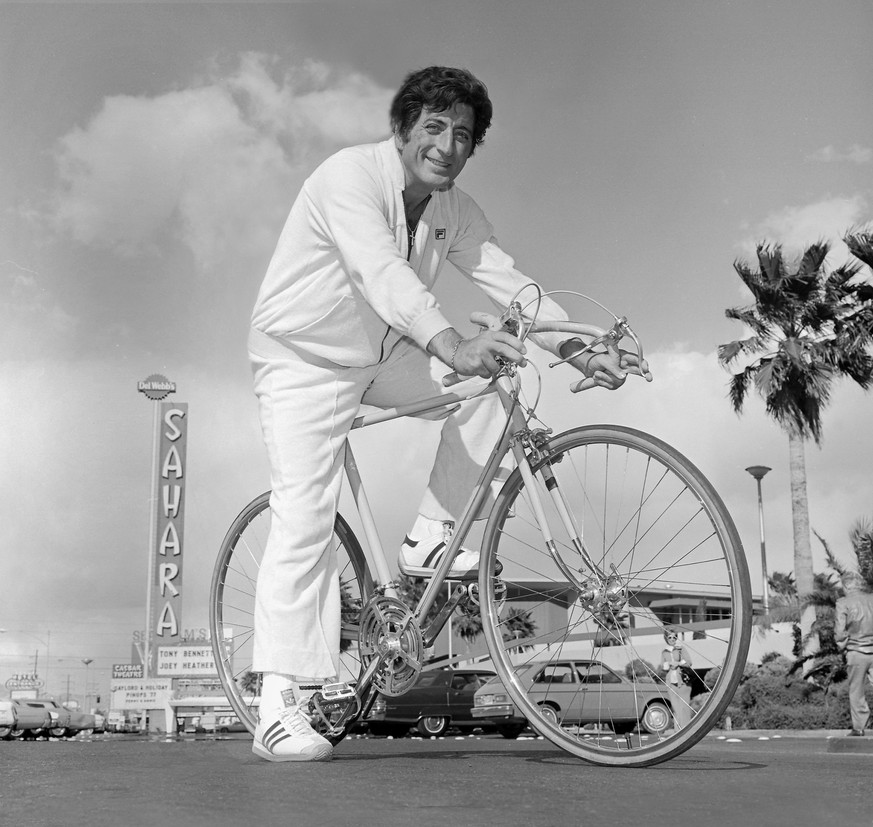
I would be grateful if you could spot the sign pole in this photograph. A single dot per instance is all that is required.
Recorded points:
(153, 531)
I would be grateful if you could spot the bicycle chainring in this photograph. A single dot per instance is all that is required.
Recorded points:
(390, 632)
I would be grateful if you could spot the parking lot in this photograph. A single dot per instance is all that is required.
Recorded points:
(728, 779)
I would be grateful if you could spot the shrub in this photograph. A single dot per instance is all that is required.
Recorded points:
(769, 698)
(640, 670)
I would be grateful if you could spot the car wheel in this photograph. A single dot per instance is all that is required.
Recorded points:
(58, 731)
(549, 712)
(511, 731)
(433, 726)
(5, 732)
(17, 733)
(657, 718)
(388, 730)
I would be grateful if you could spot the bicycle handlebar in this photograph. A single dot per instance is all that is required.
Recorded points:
(511, 321)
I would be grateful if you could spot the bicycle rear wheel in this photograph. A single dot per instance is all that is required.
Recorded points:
(580, 654)
(232, 604)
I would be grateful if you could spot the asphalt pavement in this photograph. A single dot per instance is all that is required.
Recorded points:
(730, 778)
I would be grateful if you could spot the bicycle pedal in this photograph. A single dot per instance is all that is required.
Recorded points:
(498, 589)
(332, 706)
(337, 691)
(332, 698)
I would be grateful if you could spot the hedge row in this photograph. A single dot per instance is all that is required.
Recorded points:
(769, 698)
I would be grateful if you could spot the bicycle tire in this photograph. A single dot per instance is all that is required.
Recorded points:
(232, 603)
(640, 506)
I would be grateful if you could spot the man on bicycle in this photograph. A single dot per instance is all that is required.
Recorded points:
(346, 316)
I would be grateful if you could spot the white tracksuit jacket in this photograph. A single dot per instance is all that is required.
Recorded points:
(340, 277)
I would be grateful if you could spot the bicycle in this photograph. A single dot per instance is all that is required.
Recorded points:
(594, 529)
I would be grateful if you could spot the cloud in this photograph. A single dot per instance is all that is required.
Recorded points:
(795, 227)
(855, 154)
(28, 308)
(214, 165)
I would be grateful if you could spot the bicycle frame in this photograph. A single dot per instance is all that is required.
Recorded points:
(516, 424)
(377, 558)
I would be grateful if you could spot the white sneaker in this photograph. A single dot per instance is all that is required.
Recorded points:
(419, 558)
(288, 736)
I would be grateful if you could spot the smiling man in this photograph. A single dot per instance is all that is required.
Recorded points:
(346, 316)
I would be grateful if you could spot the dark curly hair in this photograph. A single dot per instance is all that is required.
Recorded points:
(438, 88)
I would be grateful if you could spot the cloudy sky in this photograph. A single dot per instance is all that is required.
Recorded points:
(149, 155)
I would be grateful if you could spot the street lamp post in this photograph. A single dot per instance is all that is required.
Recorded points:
(87, 662)
(759, 472)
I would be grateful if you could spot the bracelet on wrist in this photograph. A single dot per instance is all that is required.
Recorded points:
(454, 353)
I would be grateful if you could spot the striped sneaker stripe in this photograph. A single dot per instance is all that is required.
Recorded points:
(431, 561)
(275, 735)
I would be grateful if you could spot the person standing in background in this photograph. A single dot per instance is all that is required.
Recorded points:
(853, 632)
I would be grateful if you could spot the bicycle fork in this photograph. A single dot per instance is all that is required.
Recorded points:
(596, 591)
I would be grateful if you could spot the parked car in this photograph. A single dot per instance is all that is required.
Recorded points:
(440, 698)
(17, 720)
(29, 717)
(229, 723)
(579, 693)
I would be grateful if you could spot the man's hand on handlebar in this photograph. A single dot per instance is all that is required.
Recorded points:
(607, 370)
(479, 356)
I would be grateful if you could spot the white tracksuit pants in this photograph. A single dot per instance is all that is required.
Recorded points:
(307, 406)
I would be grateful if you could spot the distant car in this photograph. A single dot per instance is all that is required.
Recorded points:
(579, 693)
(31, 717)
(440, 698)
(229, 723)
(19, 720)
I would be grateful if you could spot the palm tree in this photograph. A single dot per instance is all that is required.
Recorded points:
(469, 625)
(808, 328)
(781, 584)
(861, 538)
(518, 625)
(611, 629)
(250, 683)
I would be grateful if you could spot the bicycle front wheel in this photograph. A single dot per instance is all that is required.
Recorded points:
(232, 604)
(637, 544)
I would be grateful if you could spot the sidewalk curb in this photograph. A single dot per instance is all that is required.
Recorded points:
(838, 740)
(778, 733)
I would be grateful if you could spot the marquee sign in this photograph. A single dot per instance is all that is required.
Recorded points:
(168, 553)
(120, 671)
(136, 694)
(186, 660)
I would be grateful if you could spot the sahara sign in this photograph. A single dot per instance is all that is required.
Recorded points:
(170, 498)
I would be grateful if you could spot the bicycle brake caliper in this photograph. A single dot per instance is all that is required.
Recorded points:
(534, 442)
